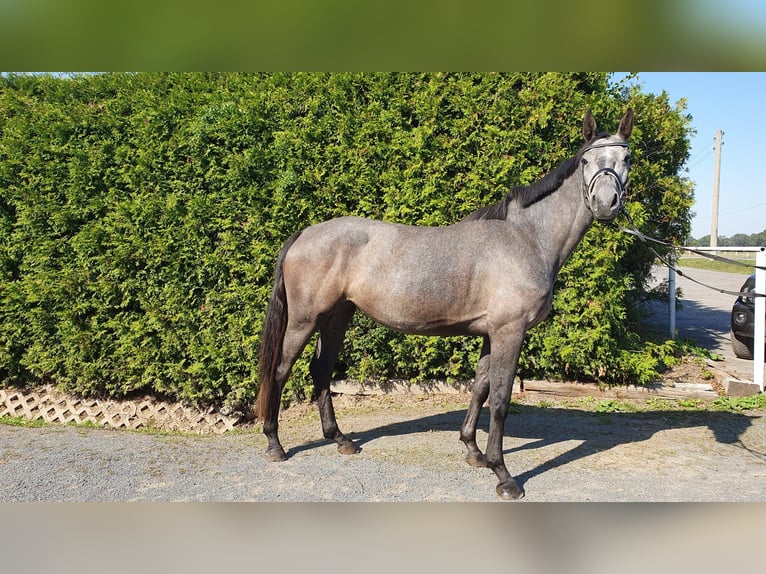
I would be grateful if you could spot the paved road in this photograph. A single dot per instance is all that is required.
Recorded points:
(705, 314)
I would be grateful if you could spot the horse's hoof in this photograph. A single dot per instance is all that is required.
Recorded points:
(476, 460)
(509, 491)
(275, 455)
(348, 448)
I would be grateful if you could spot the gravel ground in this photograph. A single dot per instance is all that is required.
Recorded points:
(410, 452)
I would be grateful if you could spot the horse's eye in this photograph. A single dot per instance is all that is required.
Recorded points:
(584, 161)
(627, 159)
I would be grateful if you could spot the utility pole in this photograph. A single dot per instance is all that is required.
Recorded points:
(716, 184)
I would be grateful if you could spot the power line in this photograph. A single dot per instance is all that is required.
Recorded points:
(743, 209)
(706, 217)
(699, 158)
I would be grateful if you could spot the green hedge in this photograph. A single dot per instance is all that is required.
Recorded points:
(141, 215)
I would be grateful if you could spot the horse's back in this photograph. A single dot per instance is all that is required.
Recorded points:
(427, 280)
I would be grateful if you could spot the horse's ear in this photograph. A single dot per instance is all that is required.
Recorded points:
(589, 127)
(626, 125)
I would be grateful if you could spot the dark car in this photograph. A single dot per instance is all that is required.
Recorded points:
(743, 321)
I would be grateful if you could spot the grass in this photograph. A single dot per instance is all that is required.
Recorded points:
(600, 407)
(39, 423)
(606, 406)
(22, 422)
(710, 265)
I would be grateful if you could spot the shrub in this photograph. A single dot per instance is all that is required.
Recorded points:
(141, 215)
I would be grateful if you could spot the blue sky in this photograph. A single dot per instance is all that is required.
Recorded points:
(734, 103)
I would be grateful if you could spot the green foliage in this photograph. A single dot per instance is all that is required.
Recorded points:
(738, 404)
(614, 406)
(22, 422)
(141, 215)
(736, 240)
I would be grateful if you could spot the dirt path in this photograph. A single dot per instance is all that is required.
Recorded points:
(410, 452)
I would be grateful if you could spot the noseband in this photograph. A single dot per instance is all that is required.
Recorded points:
(603, 171)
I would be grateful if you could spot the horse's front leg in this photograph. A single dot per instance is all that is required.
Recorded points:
(506, 347)
(480, 392)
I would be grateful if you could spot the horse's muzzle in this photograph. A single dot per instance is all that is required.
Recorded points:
(605, 194)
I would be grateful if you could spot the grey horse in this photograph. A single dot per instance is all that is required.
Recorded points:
(489, 275)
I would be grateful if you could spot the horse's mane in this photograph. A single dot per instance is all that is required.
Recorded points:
(527, 195)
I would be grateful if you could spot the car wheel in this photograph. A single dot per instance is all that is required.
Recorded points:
(743, 348)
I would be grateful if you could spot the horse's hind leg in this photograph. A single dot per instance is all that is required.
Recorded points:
(331, 333)
(480, 393)
(295, 339)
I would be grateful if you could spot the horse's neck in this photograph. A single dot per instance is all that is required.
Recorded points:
(559, 221)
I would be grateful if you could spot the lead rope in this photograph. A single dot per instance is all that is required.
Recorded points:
(646, 239)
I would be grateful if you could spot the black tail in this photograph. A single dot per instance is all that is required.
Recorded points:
(274, 327)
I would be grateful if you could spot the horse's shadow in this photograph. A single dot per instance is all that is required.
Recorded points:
(709, 327)
(541, 427)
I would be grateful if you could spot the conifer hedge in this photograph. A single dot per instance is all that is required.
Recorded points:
(141, 215)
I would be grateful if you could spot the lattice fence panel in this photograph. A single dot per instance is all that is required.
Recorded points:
(55, 407)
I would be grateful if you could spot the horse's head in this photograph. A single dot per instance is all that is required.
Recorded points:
(605, 162)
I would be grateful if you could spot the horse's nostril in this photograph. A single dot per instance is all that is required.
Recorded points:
(615, 200)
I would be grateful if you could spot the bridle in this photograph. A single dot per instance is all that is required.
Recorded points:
(588, 189)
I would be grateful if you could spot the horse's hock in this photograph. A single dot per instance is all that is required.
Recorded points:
(52, 406)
